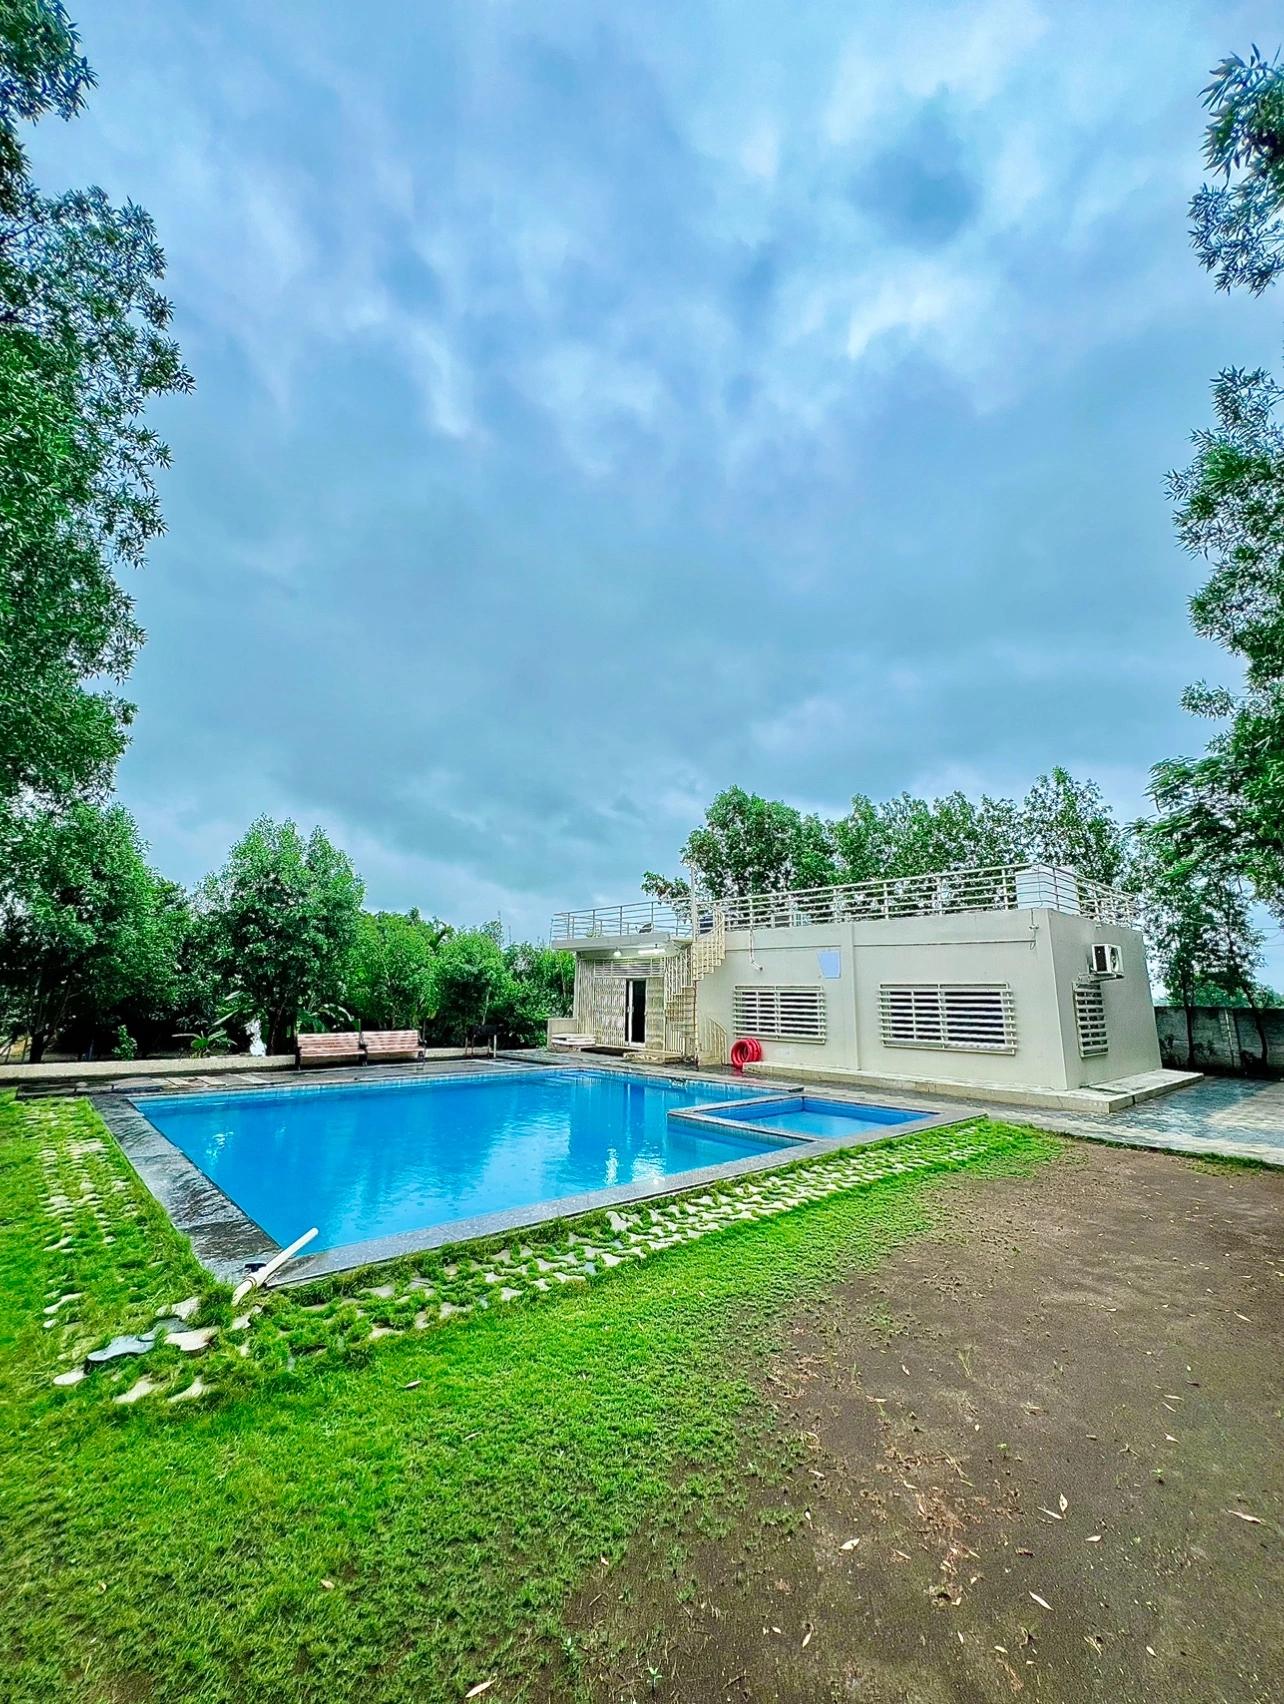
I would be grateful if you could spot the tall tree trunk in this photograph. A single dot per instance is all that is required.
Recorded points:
(36, 1047)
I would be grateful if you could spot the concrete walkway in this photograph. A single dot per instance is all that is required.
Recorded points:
(214, 1072)
(1240, 1117)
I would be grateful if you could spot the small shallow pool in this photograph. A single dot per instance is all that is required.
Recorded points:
(816, 1117)
(369, 1160)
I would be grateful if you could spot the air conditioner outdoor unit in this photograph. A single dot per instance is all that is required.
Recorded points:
(1105, 959)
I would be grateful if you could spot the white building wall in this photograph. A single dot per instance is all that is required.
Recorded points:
(1131, 1027)
(1038, 954)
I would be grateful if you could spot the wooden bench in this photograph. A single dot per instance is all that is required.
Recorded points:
(341, 1048)
(384, 1046)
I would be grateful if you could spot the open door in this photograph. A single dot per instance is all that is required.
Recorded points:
(635, 1016)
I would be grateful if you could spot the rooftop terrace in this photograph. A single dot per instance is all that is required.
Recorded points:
(1001, 887)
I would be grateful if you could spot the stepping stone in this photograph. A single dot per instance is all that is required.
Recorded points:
(195, 1389)
(70, 1378)
(118, 1348)
(382, 1331)
(240, 1323)
(611, 1259)
(508, 1294)
(385, 1292)
(448, 1308)
(179, 1310)
(144, 1387)
(192, 1342)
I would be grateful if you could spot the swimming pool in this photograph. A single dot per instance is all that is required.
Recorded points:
(367, 1161)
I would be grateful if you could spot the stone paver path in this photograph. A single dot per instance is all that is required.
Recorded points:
(1239, 1117)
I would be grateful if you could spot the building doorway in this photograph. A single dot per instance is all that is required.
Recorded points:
(635, 1012)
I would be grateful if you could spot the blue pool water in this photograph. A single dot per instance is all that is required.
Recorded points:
(375, 1159)
(811, 1115)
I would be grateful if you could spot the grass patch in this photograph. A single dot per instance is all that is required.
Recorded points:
(325, 1532)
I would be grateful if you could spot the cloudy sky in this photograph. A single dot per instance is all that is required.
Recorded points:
(599, 405)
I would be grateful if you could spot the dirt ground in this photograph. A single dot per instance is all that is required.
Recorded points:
(1038, 1453)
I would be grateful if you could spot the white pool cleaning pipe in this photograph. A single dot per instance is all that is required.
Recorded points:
(256, 1280)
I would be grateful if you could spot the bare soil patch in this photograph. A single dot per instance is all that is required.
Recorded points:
(1035, 1454)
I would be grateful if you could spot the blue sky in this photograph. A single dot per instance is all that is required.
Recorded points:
(597, 406)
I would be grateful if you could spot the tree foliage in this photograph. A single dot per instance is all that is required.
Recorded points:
(1068, 822)
(748, 844)
(1225, 809)
(85, 926)
(389, 983)
(909, 836)
(84, 345)
(283, 917)
(1237, 227)
(470, 985)
(41, 72)
(1204, 943)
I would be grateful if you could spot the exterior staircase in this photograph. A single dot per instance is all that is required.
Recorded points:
(705, 1042)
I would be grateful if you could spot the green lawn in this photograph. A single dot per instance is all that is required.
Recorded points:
(321, 1531)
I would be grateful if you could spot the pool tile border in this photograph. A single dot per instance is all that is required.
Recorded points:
(224, 1238)
(227, 1241)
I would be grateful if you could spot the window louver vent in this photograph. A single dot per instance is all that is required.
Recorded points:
(1090, 1018)
(967, 1017)
(779, 1014)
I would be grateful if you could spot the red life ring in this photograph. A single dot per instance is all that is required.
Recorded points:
(746, 1051)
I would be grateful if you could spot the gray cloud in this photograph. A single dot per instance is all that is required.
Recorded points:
(594, 410)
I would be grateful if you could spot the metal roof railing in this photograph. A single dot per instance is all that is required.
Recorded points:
(999, 887)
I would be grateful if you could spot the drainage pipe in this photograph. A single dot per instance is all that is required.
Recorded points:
(257, 1280)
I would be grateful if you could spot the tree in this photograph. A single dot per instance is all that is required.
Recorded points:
(283, 918)
(1201, 933)
(83, 347)
(1067, 822)
(40, 72)
(908, 836)
(1237, 227)
(748, 844)
(83, 921)
(470, 984)
(542, 986)
(390, 977)
(1227, 806)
